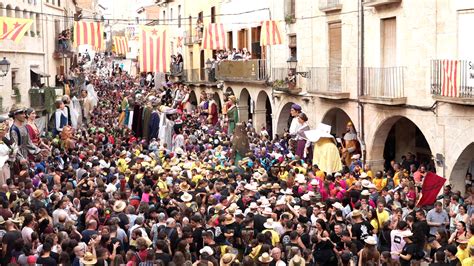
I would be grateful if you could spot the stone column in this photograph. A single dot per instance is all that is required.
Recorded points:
(243, 113)
(259, 119)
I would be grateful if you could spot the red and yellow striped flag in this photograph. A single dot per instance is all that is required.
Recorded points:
(121, 45)
(214, 37)
(154, 49)
(270, 33)
(14, 28)
(91, 33)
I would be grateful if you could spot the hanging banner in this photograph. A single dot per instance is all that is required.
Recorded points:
(214, 37)
(154, 56)
(14, 29)
(91, 33)
(270, 33)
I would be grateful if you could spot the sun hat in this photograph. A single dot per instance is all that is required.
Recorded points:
(314, 182)
(356, 213)
(300, 179)
(265, 258)
(290, 215)
(38, 193)
(280, 202)
(297, 260)
(338, 205)
(88, 259)
(365, 183)
(365, 192)
(267, 211)
(229, 219)
(363, 175)
(269, 224)
(370, 240)
(227, 259)
(207, 249)
(305, 197)
(186, 197)
(119, 206)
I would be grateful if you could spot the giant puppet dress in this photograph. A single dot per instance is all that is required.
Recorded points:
(325, 153)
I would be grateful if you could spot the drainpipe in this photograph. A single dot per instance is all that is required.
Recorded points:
(360, 91)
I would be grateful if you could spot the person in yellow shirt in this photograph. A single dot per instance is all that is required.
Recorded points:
(470, 260)
(122, 164)
(382, 214)
(270, 225)
(195, 176)
(368, 171)
(463, 252)
(283, 173)
(162, 186)
(379, 181)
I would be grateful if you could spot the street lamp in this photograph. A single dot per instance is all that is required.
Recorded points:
(4, 67)
(292, 64)
(208, 63)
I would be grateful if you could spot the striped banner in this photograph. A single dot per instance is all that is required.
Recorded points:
(14, 28)
(214, 37)
(154, 56)
(91, 33)
(121, 45)
(270, 33)
(450, 78)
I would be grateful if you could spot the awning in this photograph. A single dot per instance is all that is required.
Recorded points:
(40, 73)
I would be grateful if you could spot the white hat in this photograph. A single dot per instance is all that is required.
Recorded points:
(111, 188)
(253, 205)
(365, 183)
(371, 240)
(363, 175)
(207, 249)
(264, 203)
(305, 197)
(337, 174)
(338, 205)
(314, 182)
(269, 224)
(355, 157)
(407, 233)
(365, 192)
(280, 202)
(300, 178)
(322, 131)
(287, 191)
(186, 197)
(297, 207)
(371, 185)
(267, 211)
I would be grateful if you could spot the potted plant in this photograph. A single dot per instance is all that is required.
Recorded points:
(289, 19)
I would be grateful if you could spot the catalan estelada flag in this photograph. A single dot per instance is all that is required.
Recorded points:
(121, 45)
(14, 28)
(154, 49)
(270, 33)
(91, 33)
(214, 37)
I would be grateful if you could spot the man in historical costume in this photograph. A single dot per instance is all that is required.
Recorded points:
(213, 113)
(232, 115)
(302, 144)
(67, 105)
(86, 106)
(293, 126)
(240, 143)
(154, 126)
(351, 145)
(137, 123)
(147, 117)
(325, 153)
(125, 111)
(166, 125)
(19, 134)
(6, 151)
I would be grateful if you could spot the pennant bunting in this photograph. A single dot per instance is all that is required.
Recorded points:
(154, 48)
(121, 45)
(91, 33)
(270, 33)
(14, 28)
(214, 37)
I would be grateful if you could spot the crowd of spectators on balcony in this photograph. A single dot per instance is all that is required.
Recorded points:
(177, 64)
(63, 40)
(234, 54)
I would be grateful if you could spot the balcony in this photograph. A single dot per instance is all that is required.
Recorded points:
(380, 3)
(452, 81)
(384, 85)
(330, 5)
(329, 83)
(254, 70)
(188, 38)
(63, 49)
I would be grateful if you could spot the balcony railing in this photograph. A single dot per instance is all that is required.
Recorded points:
(384, 82)
(379, 3)
(330, 5)
(452, 80)
(248, 70)
(188, 38)
(330, 80)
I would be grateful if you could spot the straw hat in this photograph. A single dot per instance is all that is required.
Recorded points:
(186, 197)
(365, 183)
(89, 259)
(363, 175)
(184, 186)
(276, 186)
(265, 258)
(370, 240)
(119, 206)
(227, 259)
(297, 260)
(300, 179)
(356, 213)
(288, 213)
(365, 192)
(38, 193)
(229, 219)
(305, 197)
(269, 224)
(338, 205)
(267, 211)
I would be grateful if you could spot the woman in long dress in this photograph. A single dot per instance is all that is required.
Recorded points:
(301, 142)
(32, 128)
(232, 115)
(60, 117)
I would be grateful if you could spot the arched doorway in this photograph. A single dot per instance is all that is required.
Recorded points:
(338, 120)
(464, 164)
(284, 119)
(245, 102)
(218, 101)
(229, 91)
(263, 113)
(398, 137)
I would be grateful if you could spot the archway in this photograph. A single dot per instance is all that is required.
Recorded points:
(464, 164)
(245, 102)
(217, 98)
(284, 119)
(263, 113)
(399, 137)
(338, 120)
(229, 91)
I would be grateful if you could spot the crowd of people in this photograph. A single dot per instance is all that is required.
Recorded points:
(139, 176)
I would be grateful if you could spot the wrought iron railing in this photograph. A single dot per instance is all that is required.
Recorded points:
(452, 78)
(385, 82)
(327, 79)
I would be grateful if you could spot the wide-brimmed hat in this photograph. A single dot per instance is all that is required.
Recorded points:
(365, 192)
(321, 131)
(253, 205)
(227, 259)
(370, 240)
(119, 206)
(297, 260)
(38, 193)
(338, 205)
(269, 224)
(356, 213)
(265, 258)
(267, 211)
(89, 259)
(300, 179)
(123, 153)
(184, 186)
(207, 249)
(365, 183)
(276, 186)
(287, 191)
(288, 213)
(16, 108)
(186, 197)
(229, 219)
(305, 197)
(363, 175)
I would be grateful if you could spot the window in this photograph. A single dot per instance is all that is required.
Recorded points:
(164, 16)
(290, 10)
(171, 15)
(213, 14)
(388, 42)
(243, 39)
(179, 16)
(230, 40)
(335, 56)
(59, 2)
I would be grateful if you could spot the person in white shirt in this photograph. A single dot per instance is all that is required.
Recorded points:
(397, 240)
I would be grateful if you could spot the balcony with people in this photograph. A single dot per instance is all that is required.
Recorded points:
(63, 45)
(238, 65)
